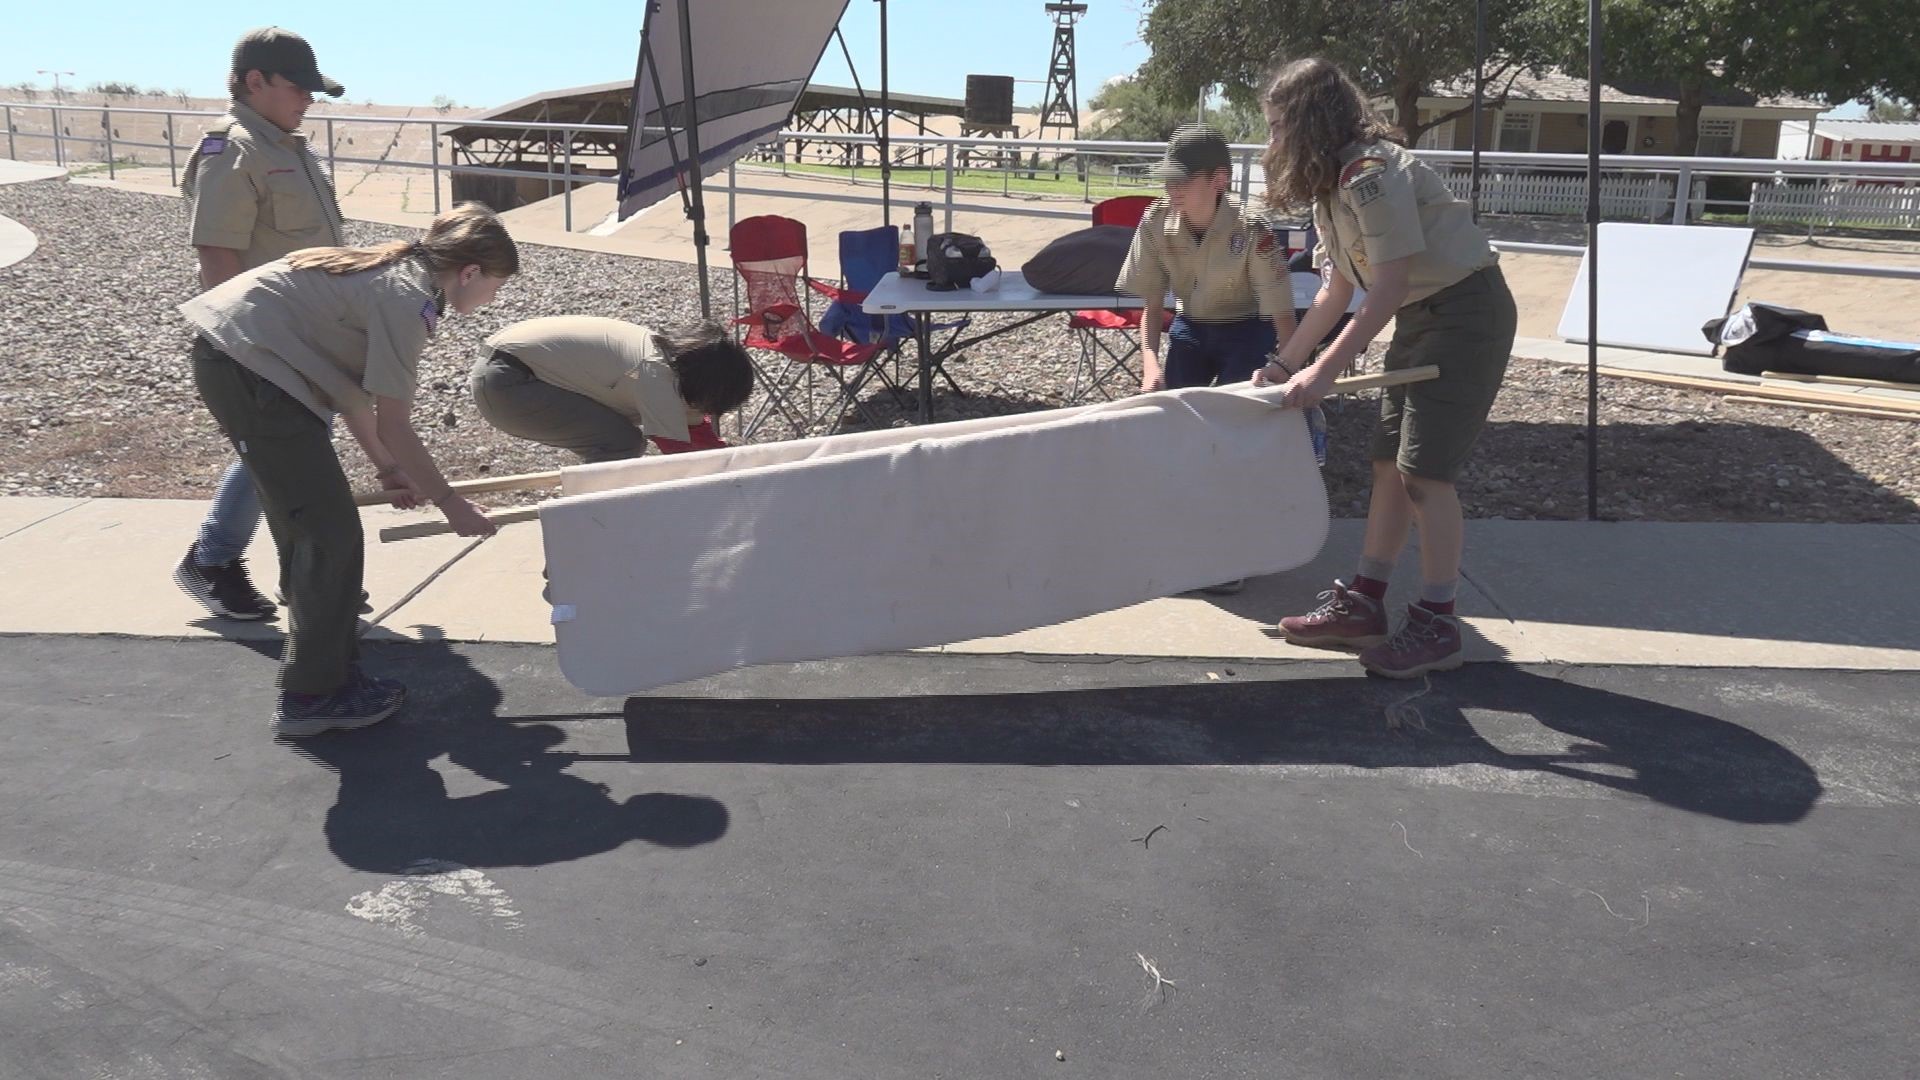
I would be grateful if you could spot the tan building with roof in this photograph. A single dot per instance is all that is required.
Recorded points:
(1548, 114)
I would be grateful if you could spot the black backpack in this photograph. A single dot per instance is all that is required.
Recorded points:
(955, 259)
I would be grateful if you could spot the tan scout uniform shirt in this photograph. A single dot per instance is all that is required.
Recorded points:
(1237, 270)
(259, 190)
(618, 364)
(329, 340)
(1390, 205)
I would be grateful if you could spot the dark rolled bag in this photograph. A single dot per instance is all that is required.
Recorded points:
(1085, 262)
(1766, 337)
(955, 259)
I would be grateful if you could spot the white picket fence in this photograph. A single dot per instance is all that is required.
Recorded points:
(1565, 194)
(1838, 201)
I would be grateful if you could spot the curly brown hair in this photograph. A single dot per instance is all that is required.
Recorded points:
(1315, 110)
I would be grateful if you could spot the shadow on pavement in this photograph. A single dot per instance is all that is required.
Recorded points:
(394, 810)
(1504, 718)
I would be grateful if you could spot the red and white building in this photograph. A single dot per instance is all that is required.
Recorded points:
(1852, 140)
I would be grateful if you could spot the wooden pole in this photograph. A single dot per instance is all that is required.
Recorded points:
(519, 482)
(440, 528)
(1348, 385)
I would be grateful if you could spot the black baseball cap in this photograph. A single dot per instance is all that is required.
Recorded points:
(1194, 148)
(273, 51)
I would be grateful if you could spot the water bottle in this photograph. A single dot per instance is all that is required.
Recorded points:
(1317, 431)
(906, 251)
(922, 231)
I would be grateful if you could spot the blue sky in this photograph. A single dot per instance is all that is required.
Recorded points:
(490, 53)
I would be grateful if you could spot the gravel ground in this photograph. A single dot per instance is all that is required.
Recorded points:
(99, 400)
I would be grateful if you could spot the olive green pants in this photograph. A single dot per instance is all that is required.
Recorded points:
(309, 509)
(1466, 330)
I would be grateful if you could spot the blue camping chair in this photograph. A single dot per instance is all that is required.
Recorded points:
(866, 256)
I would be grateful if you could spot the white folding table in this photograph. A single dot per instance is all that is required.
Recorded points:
(895, 295)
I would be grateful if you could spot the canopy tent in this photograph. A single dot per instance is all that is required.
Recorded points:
(752, 103)
(751, 59)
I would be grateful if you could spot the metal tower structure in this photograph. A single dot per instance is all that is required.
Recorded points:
(1061, 111)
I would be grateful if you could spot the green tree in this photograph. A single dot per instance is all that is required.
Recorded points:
(1131, 111)
(1886, 108)
(1696, 50)
(1399, 49)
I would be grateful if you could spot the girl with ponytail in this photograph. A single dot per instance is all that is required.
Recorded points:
(338, 330)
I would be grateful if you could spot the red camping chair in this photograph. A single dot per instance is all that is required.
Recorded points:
(770, 254)
(1102, 357)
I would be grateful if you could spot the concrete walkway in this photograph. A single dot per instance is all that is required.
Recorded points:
(1535, 592)
(16, 242)
(22, 172)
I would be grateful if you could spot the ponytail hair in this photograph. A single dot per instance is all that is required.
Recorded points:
(467, 235)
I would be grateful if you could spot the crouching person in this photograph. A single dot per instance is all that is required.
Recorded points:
(600, 388)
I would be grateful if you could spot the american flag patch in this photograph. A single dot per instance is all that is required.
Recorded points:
(213, 145)
(430, 314)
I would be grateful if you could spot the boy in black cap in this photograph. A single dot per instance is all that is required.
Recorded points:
(1226, 268)
(257, 192)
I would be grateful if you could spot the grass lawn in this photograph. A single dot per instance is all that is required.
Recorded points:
(1041, 182)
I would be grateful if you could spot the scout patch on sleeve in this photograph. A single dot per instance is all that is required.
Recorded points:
(1363, 177)
(430, 314)
(1237, 244)
(213, 146)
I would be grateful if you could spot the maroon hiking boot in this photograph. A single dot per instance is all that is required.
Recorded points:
(1344, 618)
(1425, 642)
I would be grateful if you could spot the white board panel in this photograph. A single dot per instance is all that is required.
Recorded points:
(1658, 284)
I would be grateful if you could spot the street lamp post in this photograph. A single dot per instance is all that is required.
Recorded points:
(56, 80)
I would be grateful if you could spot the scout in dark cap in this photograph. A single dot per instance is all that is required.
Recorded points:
(1226, 269)
(257, 192)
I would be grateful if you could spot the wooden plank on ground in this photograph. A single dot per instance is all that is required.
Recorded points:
(1822, 407)
(1718, 386)
(1843, 380)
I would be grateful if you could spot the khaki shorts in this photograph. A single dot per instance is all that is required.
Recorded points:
(1466, 329)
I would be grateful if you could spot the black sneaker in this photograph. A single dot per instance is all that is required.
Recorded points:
(225, 590)
(362, 702)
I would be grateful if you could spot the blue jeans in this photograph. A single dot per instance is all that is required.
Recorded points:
(233, 518)
(1209, 354)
